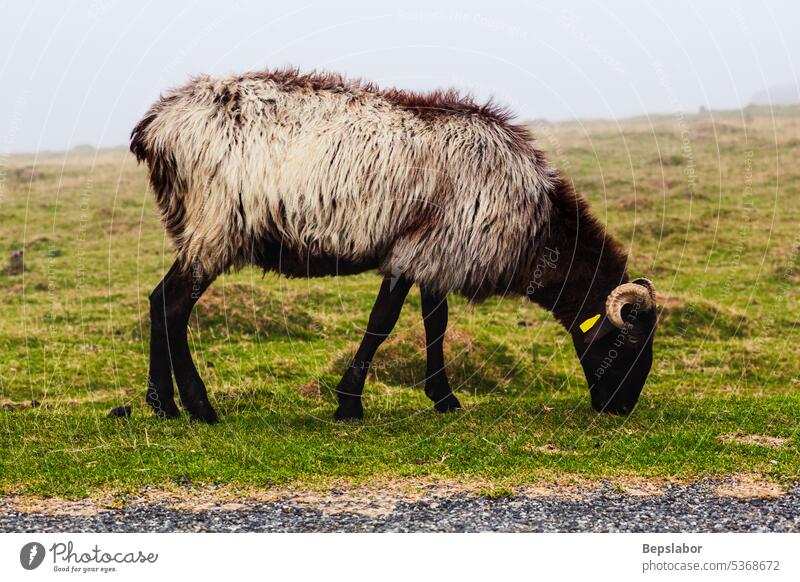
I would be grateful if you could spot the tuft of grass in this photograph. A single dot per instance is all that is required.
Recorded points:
(495, 492)
(711, 223)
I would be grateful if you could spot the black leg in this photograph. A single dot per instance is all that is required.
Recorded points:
(160, 390)
(381, 321)
(437, 388)
(171, 305)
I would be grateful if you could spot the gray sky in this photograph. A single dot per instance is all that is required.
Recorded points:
(74, 73)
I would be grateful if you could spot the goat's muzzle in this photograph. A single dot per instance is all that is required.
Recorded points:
(617, 355)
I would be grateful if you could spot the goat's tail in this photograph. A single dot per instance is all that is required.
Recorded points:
(164, 176)
(139, 136)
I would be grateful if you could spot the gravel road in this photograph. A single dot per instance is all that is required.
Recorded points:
(606, 508)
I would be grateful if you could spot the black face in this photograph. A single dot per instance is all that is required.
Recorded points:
(616, 362)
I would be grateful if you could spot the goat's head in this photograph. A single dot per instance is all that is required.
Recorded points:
(616, 347)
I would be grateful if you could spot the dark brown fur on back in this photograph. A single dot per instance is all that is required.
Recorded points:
(590, 261)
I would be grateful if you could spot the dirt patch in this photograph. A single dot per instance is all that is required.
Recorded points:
(642, 489)
(670, 301)
(16, 264)
(381, 496)
(760, 440)
(547, 448)
(748, 487)
(310, 390)
(55, 506)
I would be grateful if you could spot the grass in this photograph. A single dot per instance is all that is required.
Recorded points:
(708, 206)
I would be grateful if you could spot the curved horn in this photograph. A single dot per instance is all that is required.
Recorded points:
(639, 291)
(650, 287)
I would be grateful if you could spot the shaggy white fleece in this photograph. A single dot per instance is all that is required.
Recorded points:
(444, 191)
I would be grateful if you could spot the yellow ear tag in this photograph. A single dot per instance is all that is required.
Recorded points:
(589, 323)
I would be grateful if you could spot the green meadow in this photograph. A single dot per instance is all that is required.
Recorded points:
(707, 204)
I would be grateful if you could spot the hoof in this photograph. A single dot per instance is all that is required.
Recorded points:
(351, 410)
(448, 404)
(164, 409)
(202, 411)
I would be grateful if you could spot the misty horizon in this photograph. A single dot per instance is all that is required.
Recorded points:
(78, 75)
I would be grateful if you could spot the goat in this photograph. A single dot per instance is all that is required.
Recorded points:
(313, 175)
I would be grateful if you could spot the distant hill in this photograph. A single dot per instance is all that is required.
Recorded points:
(781, 95)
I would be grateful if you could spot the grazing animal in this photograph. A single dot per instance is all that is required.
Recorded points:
(315, 175)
